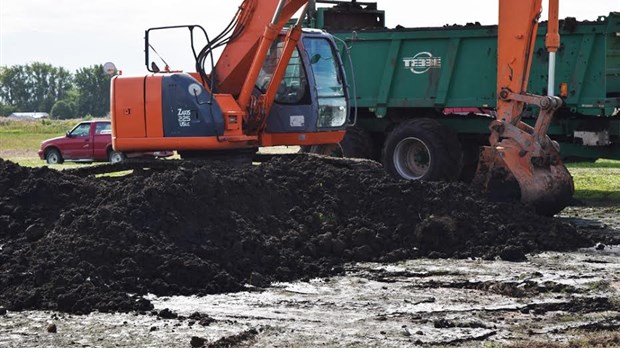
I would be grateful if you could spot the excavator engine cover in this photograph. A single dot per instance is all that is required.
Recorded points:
(188, 109)
(150, 112)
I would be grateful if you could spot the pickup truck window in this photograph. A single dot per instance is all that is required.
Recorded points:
(82, 130)
(103, 128)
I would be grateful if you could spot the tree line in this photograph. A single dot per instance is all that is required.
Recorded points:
(41, 87)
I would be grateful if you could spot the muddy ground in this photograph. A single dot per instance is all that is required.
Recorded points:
(297, 252)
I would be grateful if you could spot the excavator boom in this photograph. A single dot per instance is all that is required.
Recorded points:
(522, 160)
(256, 22)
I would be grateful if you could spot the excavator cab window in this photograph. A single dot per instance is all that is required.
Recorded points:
(328, 80)
(169, 34)
(294, 84)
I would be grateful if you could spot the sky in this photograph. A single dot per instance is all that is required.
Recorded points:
(80, 33)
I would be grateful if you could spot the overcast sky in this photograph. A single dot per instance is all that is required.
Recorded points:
(79, 33)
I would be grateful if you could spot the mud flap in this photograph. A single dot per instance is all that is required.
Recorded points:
(506, 174)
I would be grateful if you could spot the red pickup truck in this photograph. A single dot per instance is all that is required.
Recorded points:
(88, 141)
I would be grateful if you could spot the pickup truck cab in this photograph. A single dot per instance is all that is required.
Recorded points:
(88, 141)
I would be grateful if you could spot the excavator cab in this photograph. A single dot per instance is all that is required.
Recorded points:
(312, 96)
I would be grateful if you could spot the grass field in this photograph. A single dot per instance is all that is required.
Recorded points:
(596, 181)
(20, 140)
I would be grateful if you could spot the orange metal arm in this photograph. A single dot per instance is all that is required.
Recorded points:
(292, 38)
(552, 40)
(516, 36)
(526, 152)
(242, 58)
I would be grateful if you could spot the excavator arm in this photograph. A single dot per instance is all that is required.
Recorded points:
(522, 160)
(257, 28)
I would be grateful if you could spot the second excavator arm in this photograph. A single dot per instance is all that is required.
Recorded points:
(518, 151)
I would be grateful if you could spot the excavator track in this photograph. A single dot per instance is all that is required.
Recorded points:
(158, 165)
(126, 165)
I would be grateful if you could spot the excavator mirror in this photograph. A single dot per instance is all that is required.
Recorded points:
(109, 68)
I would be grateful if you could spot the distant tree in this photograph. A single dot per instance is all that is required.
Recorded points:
(93, 86)
(6, 110)
(33, 87)
(63, 109)
(13, 87)
(47, 85)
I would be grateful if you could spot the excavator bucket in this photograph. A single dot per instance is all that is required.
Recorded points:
(506, 173)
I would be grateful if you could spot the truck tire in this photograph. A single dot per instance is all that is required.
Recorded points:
(115, 156)
(332, 150)
(471, 154)
(356, 143)
(52, 156)
(423, 149)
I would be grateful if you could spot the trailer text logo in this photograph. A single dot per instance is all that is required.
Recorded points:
(422, 62)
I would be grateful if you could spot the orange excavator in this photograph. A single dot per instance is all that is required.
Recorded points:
(274, 87)
(269, 87)
(522, 161)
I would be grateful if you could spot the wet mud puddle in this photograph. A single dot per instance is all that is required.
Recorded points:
(551, 297)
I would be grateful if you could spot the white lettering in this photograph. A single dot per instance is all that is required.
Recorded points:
(184, 112)
(185, 117)
(422, 62)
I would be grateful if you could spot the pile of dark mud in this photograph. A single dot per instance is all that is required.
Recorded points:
(78, 244)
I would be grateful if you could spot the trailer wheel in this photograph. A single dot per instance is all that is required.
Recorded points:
(333, 150)
(358, 143)
(471, 154)
(423, 149)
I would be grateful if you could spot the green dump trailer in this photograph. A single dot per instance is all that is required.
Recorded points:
(431, 92)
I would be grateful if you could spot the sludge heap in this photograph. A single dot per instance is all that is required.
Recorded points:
(77, 244)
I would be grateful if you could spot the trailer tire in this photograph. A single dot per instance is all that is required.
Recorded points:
(332, 150)
(423, 149)
(471, 155)
(357, 143)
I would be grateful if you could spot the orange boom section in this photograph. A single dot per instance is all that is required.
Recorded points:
(518, 152)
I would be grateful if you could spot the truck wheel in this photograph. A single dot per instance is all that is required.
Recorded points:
(52, 156)
(357, 143)
(423, 149)
(115, 156)
(333, 150)
(471, 154)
